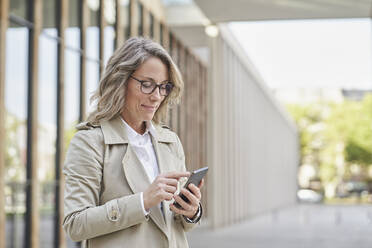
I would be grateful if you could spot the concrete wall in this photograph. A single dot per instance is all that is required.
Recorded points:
(253, 148)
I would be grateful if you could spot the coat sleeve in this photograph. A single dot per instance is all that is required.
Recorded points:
(84, 217)
(180, 153)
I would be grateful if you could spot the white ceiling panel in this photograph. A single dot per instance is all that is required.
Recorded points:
(248, 10)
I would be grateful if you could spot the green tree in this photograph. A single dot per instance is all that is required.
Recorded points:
(335, 133)
(351, 124)
(14, 169)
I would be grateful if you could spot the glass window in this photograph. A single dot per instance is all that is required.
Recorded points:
(49, 13)
(72, 93)
(92, 82)
(74, 8)
(110, 12)
(16, 134)
(72, 33)
(124, 16)
(72, 101)
(72, 79)
(109, 42)
(47, 129)
(19, 8)
(92, 39)
(92, 44)
(93, 12)
(72, 38)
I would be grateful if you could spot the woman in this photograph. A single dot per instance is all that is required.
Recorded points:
(122, 168)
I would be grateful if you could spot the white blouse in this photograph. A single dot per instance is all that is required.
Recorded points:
(143, 148)
(145, 152)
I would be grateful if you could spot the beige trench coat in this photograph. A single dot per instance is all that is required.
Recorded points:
(104, 179)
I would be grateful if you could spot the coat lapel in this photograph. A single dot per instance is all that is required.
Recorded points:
(134, 172)
(138, 182)
(165, 164)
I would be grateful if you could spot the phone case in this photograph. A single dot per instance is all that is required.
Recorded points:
(195, 178)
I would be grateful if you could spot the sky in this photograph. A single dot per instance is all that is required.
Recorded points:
(309, 53)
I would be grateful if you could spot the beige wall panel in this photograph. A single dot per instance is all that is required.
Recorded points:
(246, 132)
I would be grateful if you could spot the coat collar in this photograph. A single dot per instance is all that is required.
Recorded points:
(115, 132)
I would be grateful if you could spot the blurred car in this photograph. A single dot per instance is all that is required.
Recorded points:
(309, 196)
(351, 188)
(357, 187)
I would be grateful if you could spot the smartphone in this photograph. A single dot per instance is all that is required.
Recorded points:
(195, 178)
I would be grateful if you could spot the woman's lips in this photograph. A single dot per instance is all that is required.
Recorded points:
(148, 107)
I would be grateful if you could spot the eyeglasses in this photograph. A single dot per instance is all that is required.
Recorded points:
(148, 87)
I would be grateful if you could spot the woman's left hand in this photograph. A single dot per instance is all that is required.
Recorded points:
(188, 209)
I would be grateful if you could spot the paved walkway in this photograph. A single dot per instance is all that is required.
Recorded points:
(300, 226)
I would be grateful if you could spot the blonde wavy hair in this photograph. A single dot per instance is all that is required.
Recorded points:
(109, 98)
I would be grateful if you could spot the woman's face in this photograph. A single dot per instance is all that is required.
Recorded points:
(140, 107)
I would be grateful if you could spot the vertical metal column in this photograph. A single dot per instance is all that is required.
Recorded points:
(189, 110)
(4, 8)
(185, 105)
(181, 123)
(133, 13)
(173, 112)
(146, 26)
(178, 52)
(204, 129)
(152, 31)
(83, 31)
(140, 18)
(102, 25)
(212, 123)
(119, 27)
(156, 34)
(62, 22)
(165, 37)
(161, 34)
(32, 192)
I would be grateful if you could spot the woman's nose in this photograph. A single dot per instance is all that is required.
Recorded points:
(156, 94)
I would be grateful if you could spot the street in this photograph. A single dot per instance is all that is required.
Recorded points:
(299, 226)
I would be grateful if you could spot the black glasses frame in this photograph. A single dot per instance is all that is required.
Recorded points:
(154, 87)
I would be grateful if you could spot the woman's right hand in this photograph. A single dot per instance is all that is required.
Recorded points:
(162, 188)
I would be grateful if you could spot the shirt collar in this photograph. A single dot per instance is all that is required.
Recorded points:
(115, 132)
(132, 134)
